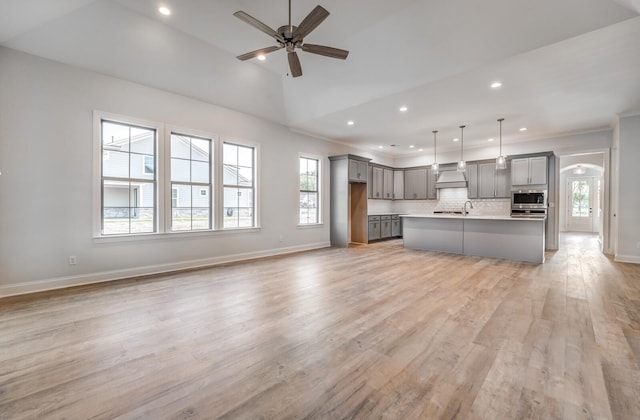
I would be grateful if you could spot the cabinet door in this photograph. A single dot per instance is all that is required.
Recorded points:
(357, 170)
(486, 180)
(503, 182)
(370, 182)
(378, 183)
(398, 185)
(431, 185)
(419, 183)
(472, 181)
(388, 184)
(396, 228)
(520, 171)
(385, 229)
(374, 231)
(409, 185)
(538, 170)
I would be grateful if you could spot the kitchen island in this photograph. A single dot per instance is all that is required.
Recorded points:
(519, 239)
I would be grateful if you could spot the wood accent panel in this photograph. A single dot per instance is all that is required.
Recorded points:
(358, 214)
(369, 331)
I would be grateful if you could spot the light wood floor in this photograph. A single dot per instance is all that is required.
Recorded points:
(372, 331)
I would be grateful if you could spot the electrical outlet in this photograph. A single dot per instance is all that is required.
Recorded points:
(73, 260)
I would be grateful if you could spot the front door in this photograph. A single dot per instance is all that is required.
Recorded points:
(580, 204)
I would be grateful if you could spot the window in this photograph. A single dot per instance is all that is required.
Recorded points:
(309, 191)
(128, 181)
(191, 181)
(239, 190)
(153, 179)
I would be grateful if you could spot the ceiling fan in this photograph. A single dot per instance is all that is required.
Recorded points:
(291, 37)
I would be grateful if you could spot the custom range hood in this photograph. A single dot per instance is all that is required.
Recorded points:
(451, 179)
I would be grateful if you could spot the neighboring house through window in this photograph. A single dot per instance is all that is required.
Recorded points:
(128, 180)
(239, 187)
(190, 176)
(309, 191)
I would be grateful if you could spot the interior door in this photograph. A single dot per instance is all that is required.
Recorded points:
(580, 204)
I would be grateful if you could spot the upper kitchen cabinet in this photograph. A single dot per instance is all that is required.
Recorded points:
(472, 181)
(377, 184)
(357, 169)
(529, 171)
(415, 184)
(387, 187)
(484, 181)
(432, 192)
(398, 185)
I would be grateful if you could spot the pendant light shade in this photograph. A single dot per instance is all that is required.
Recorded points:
(462, 165)
(501, 161)
(434, 167)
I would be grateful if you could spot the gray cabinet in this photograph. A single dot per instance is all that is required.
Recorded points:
(484, 181)
(387, 187)
(396, 226)
(385, 227)
(529, 171)
(377, 183)
(374, 228)
(472, 181)
(370, 182)
(431, 185)
(398, 185)
(415, 184)
(357, 170)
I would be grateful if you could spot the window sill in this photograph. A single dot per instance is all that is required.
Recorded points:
(311, 226)
(171, 235)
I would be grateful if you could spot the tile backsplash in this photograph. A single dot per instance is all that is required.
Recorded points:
(449, 199)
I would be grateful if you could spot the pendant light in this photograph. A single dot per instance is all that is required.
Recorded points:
(501, 161)
(462, 165)
(434, 166)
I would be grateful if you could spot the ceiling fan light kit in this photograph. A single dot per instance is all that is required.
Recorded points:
(291, 37)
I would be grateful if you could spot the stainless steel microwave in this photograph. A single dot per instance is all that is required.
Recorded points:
(529, 199)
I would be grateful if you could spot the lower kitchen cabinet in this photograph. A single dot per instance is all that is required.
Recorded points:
(384, 227)
(374, 228)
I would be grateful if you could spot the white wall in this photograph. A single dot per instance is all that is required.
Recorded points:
(46, 183)
(628, 206)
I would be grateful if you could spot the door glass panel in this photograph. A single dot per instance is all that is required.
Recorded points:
(580, 198)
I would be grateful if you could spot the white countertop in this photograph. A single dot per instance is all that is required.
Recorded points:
(385, 214)
(470, 216)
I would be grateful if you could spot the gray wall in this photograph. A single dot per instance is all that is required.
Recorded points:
(46, 186)
(628, 191)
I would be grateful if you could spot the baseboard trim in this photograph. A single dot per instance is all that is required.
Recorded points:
(105, 276)
(634, 259)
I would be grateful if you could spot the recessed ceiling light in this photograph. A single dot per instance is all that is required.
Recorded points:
(456, 139)
(496, 85)
(380, 147)
(403, 108)
(164, 10)
(350, 122)
(523, 129)
(261, 57)
(490, 140)
(419, 150)
(412, 146)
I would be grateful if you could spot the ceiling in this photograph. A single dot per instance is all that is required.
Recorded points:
(566, 66)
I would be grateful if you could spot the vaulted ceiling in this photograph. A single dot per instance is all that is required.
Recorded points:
(566, 65)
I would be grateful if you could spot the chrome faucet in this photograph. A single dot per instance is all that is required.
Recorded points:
(464, 208)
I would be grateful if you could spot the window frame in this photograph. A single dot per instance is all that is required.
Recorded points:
(318, 191)
(256, 182)
(213, 156)
(163, 194)
(98, 194)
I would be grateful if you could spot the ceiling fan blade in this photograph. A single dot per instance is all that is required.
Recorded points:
(326, 51)
(256, 53)
(294, 64)
(258, 25)
(310, 23)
